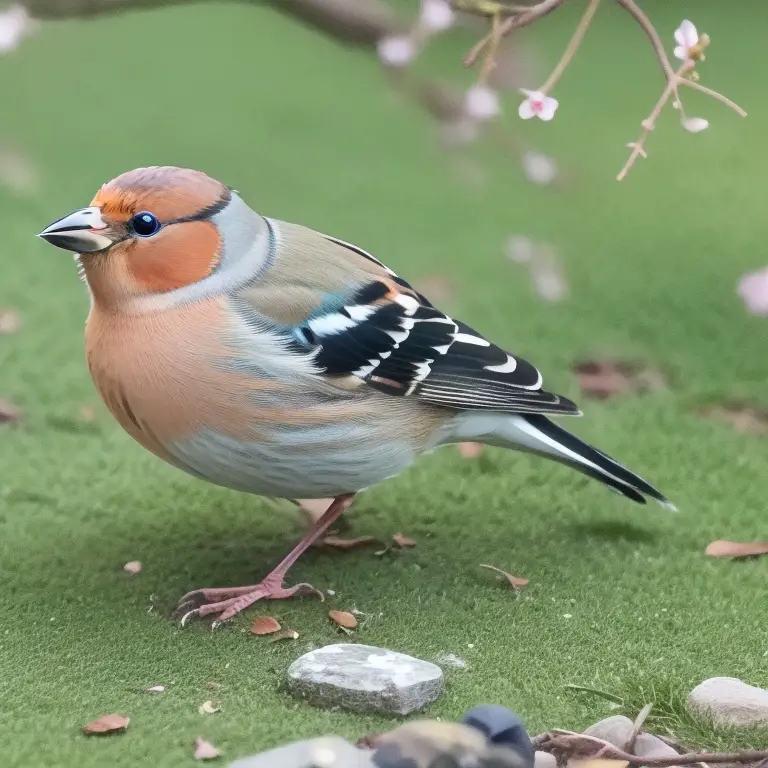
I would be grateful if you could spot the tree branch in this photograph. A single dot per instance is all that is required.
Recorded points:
(360, 22)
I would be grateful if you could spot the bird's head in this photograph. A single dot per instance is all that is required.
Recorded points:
(147, 232)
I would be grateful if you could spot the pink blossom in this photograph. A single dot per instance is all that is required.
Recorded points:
(482, 103)
(397, 51)
(15, 24)
(436, 15)
(537, 104)
(753, 289)
(686, 37)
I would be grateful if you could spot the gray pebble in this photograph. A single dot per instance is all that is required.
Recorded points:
(617, 729)
(730, 701)
(363, 678)
(325, 752)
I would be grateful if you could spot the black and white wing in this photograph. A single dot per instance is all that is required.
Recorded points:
(389, 336)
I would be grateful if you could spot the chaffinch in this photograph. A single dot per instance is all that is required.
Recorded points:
(270, 358)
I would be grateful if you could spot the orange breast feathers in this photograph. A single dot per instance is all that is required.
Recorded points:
(161, 376)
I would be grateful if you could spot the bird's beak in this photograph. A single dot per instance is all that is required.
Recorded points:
(78, 232)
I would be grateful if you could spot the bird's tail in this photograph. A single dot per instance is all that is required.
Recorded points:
(537, 434)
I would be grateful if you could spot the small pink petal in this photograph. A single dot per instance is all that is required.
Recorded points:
(396, 51)
(680, 52)
(204, 750)
(470, 450)
(686, 34)
(525, 110)
(548, 108)
(436, 15)
(539, 168)
(482, 103)
(753, 290)
(133, 567)
(15, 25)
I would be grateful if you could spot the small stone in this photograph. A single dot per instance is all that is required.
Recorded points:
(363, 678)
(325, 752)
(544, 760)
(616, 730)
(730, 701)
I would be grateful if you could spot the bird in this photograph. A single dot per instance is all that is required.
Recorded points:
(269, 358)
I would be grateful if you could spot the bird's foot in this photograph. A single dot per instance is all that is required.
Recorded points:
(227, 602)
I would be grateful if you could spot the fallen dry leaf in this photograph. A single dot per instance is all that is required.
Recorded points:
(723, 548)
(403, 541)
(9, 321)
(204, 750)
(208, 708)
(470, 450)
(284, 634)
(343, 619)
(265, 625)
(133, 567)
(742, 417)
(107, 724)
(9, 413)
(514, 581)
(336, 542)
(155, 689)
(602, 379)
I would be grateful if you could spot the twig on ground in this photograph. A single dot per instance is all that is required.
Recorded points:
(569, 742)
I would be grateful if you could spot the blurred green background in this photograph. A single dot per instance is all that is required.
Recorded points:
(310, 131)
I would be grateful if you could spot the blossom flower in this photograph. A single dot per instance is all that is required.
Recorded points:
(539, 168)
(687, 38)
(15, 24)
(482, 103)
(396, 51)
(537, 104)
(436, 15)
(753, 290)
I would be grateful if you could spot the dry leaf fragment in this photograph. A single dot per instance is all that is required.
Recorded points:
(155, 689)
(343, 619)
(9, 321)
(335, 542)
(470, 450)
(9, 413)
(107, 724)
(742, 417)
(284, 634)
(208, 708)
(602, 379)
(265, 625)
(721, 548)
(204, 750)
(133, 567)
(403, 541)
(514, 581)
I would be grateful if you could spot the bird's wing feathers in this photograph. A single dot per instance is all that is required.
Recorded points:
(387, 335)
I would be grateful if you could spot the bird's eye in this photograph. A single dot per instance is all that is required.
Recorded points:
(145, 224)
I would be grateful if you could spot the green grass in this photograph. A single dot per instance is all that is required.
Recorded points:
(307, 131)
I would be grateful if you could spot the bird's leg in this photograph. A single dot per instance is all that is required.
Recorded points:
(229, 601)
(314, 509)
